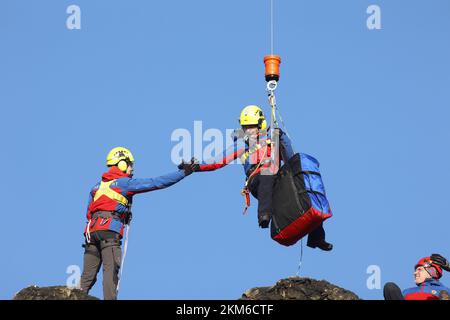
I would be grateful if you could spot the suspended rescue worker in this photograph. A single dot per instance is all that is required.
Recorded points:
(109, 209)
(427, 273)
(254, 147)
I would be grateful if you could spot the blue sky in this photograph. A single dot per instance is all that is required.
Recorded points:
(372, 106)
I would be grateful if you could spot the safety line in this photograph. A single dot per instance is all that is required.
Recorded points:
(271, 27)
(301, 259)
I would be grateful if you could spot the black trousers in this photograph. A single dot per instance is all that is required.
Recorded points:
(261, 188)
(316, 235)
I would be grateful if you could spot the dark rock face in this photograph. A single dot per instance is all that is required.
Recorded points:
(286, 289)
(52, 293)
(297, 288)
(444, 295)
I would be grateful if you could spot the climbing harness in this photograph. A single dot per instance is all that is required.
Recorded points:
(105, 223)
(105, 189)
(245, 190)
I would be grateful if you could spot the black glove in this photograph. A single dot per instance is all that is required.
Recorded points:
(441, 261)
(189, 167)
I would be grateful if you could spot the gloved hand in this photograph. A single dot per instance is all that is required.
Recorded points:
(441, 261)
(189, 167)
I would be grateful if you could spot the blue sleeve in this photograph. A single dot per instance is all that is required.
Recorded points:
(286, 151)
(134, 186)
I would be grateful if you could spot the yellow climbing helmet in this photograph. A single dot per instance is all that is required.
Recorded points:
(121, 157)
(253, 115)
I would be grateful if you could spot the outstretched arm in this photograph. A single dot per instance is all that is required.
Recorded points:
(135, 186)
(227, 156)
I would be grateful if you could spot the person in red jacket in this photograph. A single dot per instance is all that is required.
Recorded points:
(427, 273)
(109, 210)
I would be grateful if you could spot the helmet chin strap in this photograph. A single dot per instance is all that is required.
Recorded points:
(131, 173)
(428, 267)
(432, 272)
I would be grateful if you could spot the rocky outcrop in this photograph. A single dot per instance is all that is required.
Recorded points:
(297, 288)
(444, 295)
(52, 293)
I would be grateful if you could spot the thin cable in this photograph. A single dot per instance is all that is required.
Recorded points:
(284, 127)
(271, 27)
(301, 259)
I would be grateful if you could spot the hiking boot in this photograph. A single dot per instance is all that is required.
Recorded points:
(322, 245)
(264, 221)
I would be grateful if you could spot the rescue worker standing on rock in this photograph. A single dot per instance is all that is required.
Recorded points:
(427, 273)
(254, 147)
(109, 210)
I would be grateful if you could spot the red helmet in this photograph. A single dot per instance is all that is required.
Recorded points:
(430, 266)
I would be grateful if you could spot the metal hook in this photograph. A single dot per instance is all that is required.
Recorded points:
(272, 85)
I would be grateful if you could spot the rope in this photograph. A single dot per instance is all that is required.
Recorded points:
(247, 182)
(284, 128)
(88, 231)
(273, 123)
(273, 105)
(125, 247)
(245, 191)
(282, 123)
(273, 120)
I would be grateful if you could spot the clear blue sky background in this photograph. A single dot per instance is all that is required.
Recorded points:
(372, 106)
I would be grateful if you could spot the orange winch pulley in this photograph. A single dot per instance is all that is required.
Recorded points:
(272, 63)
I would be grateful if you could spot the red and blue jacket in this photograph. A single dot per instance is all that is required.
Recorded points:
(114, 194)
(250, 156)
(428, 290)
